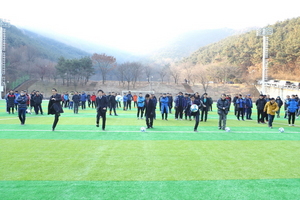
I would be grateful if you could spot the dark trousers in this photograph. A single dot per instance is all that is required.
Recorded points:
(129, 105)
(135, 104)
(71, 103)
(271, 119)
(204, 113)
(76, 105)
(248, 113)
(278, 112)
(197, 118)
(240, 112)
(140, 110)
(101, 113)
(56, 119)
(170, 108)
(10, 108)
(22, 115)
(291, 117)
(179, 112)
(93, 104)
(37, 108)
(112, 107)
(124, 105)
(16, 106)
(222, 120)
(260, 116)
(89, 103)
(235, 110)
(83, 106)
(149, 120)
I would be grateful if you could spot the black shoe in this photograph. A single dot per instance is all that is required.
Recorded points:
(97, 125)
(151, 127)
(148, 127)
(103, 129)
(53, 129)
(116, 115)
(219, 128)
(223, 128)
(196, 130)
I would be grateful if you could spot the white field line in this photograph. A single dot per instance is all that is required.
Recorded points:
(152, 131)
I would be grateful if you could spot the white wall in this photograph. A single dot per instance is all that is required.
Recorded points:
(276, 91)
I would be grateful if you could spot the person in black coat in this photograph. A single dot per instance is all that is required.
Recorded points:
(76, 102)
(196, 114)
(101, 105)
(260, 105)
(54, 107)
(113, 103)
(149, 111)
(206, 105)
(38, 103)
(222, 105)
(10, 98)
(170, 102)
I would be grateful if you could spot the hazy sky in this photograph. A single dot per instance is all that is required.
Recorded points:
(141, 25)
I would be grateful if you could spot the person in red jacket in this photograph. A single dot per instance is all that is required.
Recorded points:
(93, 99)
(135, 100)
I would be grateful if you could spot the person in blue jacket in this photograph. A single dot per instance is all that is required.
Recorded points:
(164, 100)
(241, 106)
(125, 99)
(179, 105)
(153, 97)
(22, 106)
(16, 103)
(140, 106)
(83, 99)
(292, 106)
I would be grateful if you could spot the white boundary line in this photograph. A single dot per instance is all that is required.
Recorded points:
(152, 131)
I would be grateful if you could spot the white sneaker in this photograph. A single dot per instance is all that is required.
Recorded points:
(290, 124)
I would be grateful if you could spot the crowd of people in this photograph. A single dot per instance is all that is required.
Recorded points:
(146, 105)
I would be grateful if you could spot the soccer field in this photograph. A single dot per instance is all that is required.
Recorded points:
(80, 161)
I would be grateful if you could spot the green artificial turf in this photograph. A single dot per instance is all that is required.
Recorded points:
(80, 161)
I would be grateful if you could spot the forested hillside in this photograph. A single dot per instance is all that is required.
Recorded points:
(241, 55)
(31, 56)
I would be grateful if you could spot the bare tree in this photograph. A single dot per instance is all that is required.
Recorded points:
(128, 71)
(163, 72)
(174, 71)
(104, 63)
(137, 70)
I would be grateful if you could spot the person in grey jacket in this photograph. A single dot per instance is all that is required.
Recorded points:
(222, 105)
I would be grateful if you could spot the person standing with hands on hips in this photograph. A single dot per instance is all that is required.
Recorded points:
(222, 106)
(54, 107)
(101, 105)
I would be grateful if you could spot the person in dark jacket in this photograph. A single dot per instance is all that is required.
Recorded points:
(88, 96)
(279, 103)
(38, 98)
(101, 104)
(196, 114)
(240, 102)
(249, 105)
(222, 105)
(22, 106)
(170, 102)
(260, 105)
(113, 103)
(149, 111)
(235, 105)
(154, 99)
(205, 107)
(54, 107)
(129, 99)
(292, 109)
(76, 101)
(31, 100)
(10, 99)
(228, 97)
(187, 108)
(179, 105)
